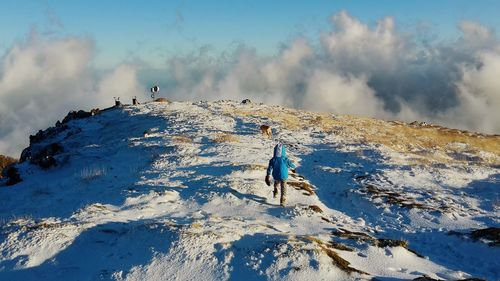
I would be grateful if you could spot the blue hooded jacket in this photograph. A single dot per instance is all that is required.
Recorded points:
(279, 164)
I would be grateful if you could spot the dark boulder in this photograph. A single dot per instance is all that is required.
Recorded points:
(48, 133)
(11, 173)
(80, 114)
(43, 156)
(5, 162)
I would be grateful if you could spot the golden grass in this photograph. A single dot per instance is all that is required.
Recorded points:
(182, 139)
(254, 167)
(287, 117)
(302, 185)
(162, 100)
(353, 235)
(395, 198)
(315, 208)
(378, 242)
(425, 144)
(336, 259)
(225, 137)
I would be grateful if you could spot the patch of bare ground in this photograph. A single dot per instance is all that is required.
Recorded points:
(396, 195)
(28, 224)
(426, 143)
(378, 242)
(225, 137)
(395, 198)
(299, 183)
(381, 190)
(182, 139)
(338, 261)
(164, 100)
(287, 117)
(254, 167)
(490, 235)
(315, 209)
(427, 278)
(302, 185)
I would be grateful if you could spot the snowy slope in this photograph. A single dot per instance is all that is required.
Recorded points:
(175, 191)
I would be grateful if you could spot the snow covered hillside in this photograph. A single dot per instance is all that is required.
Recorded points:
(175, 191)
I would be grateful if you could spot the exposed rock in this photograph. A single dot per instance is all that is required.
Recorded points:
(40, 136)
(42, 156)
(80, 114)
(491, 234)
(315, 208)
(426, 278)
(48, 133)
(5, 161)
(12, 175)
(382, 243)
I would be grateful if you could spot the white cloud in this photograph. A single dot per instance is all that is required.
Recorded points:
(479, 95)
(122, 82)
(475, 35)
(358, 69)
(41, 80)
(356, 48)
(339, 94)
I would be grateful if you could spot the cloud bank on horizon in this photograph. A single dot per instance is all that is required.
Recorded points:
(352, 69)
(41, 80)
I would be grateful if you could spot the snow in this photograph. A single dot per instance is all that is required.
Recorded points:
(149, 192)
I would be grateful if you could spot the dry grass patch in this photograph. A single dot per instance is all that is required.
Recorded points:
(378, 242)
(395, 198)
(287, 117)
(354, 235)
(254, 167)
(182, 139)
(337, 260)
(225, 137)
(315, 208)
(164, 100)
(428, 143)
(47, 225)
(302, 185)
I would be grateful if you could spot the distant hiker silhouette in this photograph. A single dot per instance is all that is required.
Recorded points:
(278, 167)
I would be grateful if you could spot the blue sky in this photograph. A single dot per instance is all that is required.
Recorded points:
(156, 30)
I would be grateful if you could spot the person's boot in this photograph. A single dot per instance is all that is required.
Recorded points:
(282, 201)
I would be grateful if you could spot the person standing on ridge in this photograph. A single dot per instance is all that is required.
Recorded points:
(278, 166)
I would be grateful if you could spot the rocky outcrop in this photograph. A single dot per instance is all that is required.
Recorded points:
(42, 155)
(5, 162)
(44, 145)
(12, 175)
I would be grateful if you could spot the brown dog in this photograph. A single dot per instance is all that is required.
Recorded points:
(266, 130)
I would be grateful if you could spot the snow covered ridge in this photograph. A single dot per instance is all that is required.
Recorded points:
(175, 191)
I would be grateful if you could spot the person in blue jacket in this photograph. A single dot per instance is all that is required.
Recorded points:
(278, 167)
